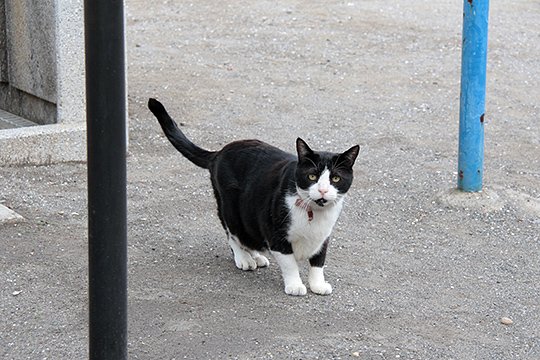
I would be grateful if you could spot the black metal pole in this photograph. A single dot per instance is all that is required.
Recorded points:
(107, 203)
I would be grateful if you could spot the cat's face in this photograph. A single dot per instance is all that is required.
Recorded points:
(324, 177)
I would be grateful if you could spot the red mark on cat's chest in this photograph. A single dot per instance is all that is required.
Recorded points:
(300, 203)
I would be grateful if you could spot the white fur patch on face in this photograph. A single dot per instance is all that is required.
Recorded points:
(323, 188)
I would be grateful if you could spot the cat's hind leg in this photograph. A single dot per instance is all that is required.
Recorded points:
(242, 257)
(261, 260)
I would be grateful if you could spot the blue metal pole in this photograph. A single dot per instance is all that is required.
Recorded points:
(473, 95)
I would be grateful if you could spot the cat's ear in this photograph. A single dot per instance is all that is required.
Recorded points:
(350, 155)
(302, 149)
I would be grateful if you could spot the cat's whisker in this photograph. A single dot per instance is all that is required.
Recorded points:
(289, 214)
(308, 202)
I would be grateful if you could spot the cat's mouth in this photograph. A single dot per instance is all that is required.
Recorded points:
(321, 202)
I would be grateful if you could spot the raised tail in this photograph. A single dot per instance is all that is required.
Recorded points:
(192, 152)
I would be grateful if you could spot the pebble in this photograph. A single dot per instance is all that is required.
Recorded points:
(506, 321)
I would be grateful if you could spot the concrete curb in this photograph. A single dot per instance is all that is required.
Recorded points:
(44, 144)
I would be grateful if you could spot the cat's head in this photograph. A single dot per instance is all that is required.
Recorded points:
(323, 177)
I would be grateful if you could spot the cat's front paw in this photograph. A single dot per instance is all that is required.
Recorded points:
(296, 289)
(322, 288)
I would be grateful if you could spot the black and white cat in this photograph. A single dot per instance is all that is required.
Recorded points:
(268, 199)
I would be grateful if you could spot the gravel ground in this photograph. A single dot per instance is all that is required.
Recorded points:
(419, 270)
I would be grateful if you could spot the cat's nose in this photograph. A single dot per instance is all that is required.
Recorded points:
(323, 191)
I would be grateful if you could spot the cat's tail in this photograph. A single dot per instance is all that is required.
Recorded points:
(192, 152)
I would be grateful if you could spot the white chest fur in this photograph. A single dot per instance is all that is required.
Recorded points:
(305, 236)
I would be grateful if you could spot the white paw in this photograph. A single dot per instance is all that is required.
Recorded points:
(322, 288)
(261, 260)
(296, 289)
(245, 263)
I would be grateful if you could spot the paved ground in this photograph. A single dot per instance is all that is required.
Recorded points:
(419, 271)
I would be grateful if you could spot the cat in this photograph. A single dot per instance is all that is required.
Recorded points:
(271, 200)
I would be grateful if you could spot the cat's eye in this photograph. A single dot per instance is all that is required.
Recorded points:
(335, 178)
(312, 177)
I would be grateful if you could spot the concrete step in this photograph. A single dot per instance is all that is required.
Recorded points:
(11, 121)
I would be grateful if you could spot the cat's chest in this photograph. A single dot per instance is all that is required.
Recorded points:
(307, 236)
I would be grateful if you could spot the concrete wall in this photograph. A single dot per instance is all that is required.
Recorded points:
(3, 43)
(31, 45)
(70, 82)
(42, 79)
(29, 83)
